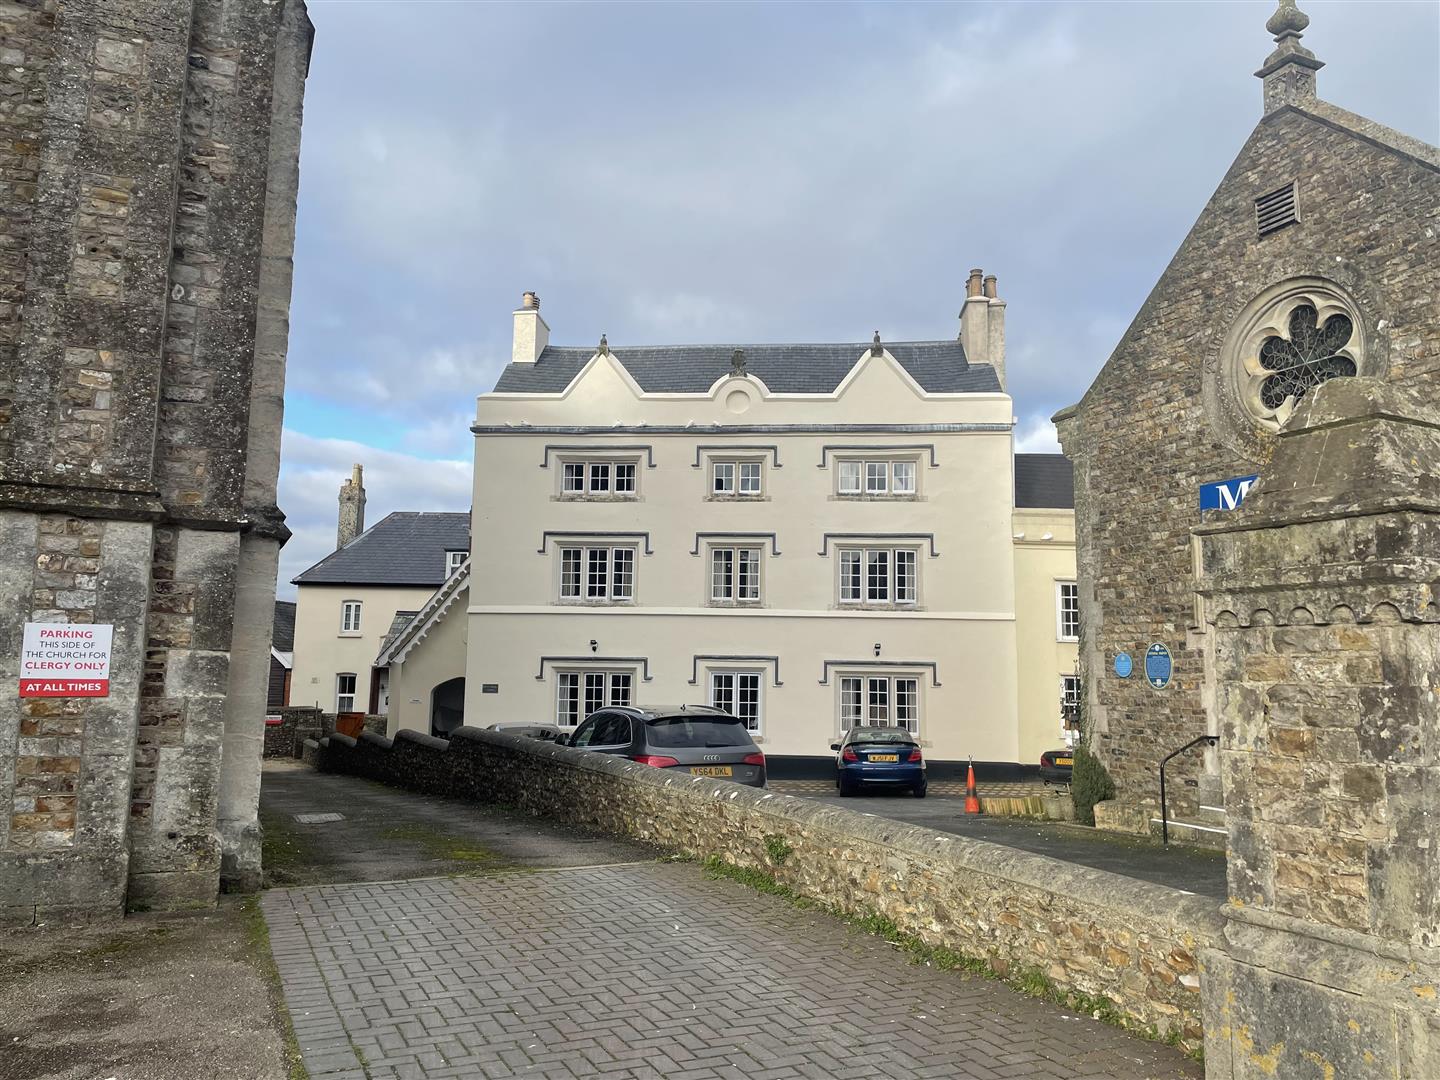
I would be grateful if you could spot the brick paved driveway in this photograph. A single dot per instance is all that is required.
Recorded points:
(646, 970)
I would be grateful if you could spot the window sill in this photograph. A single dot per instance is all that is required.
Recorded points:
(713, 497)
(576, 496)
(871, 497)
(735, 603)
(855, 605)
(564, 602)
(1067, 641)
(350, 634)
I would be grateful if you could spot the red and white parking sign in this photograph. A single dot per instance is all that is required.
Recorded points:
(66, 660)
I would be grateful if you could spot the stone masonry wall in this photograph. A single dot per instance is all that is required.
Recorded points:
(1321, 595)
(1144, 437)
(135, 216)
(1131, 941)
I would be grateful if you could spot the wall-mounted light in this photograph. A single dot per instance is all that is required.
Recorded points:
(877, 648)
(594, 644)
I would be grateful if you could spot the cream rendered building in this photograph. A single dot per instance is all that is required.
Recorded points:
(349, 604)
(810, 535)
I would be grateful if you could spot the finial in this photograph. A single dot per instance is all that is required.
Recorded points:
(1289, 71)
(737, 363)
(1287, 21)
(604, 345)
(876, 349)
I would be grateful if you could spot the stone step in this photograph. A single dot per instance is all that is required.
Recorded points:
(1192, 832)
(1211, 815)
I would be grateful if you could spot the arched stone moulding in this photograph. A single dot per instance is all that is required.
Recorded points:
(1381, 611)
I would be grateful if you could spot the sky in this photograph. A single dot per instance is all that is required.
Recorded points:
(688, 172)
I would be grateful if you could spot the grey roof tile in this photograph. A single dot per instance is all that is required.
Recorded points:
(282, 630)
(405, 548)
(397, 627)
(939, 367)
(1044, 481)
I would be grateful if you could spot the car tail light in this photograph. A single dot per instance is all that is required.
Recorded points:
(660, 761)
(755, 759)
(1045, 761)
(848, 754)
(915, 755)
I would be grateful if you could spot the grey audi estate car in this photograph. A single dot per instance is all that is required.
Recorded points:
(695, 739)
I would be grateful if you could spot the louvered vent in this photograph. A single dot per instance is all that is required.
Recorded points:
(1276, 210)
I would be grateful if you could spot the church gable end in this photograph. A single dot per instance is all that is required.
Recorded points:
(1316, 256)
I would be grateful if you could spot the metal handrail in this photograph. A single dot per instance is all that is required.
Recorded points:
(1164, 809)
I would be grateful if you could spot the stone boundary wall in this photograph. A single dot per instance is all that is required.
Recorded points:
(1091, 931)
(297, 723)
(302, 722)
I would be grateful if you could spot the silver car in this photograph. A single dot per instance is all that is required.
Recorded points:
(698, 740)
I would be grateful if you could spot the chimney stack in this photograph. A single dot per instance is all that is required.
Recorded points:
(531, 333)
(996, 326)
(352, 508)
(982, 323)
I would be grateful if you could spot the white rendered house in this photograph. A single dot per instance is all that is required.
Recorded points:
(812, 536)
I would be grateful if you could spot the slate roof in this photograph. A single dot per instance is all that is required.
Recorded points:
(939, 367)
(405, 548)
(1044, 481)
(397, 627)
(282, 630)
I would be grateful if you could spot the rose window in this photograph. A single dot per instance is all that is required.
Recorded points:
(1310, 356)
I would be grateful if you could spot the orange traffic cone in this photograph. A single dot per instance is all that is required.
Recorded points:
(972, 800)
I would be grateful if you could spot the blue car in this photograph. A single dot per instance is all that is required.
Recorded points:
(881, 756)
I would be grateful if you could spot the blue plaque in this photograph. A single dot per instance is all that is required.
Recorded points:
(1158, 666)
(1124, 665)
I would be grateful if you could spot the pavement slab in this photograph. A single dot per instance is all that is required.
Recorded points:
(630, 967)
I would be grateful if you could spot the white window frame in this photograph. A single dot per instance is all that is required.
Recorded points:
(599, 478)
(350, 616)
(736, 575)
(582, 687)
(340, 693)
(877, 478)
(579, 583)
(737, 478)
(1061, 610)
(454, 560)
(1069, 695)
(851, 594)
(876, 699)
(734, 689)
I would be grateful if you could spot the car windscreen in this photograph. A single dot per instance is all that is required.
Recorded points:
(883, 737)
(709, 731)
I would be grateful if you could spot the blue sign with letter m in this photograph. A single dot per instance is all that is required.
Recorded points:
(1225, 494)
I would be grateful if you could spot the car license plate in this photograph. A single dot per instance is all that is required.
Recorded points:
(710, 770)
(884, 757)
(1065, 761)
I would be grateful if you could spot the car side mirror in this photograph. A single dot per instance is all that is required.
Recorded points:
(562, 740)
(834, 746)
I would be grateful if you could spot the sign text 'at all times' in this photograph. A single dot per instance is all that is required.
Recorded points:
(66, 660)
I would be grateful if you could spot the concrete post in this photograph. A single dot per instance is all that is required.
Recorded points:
(1321, 595)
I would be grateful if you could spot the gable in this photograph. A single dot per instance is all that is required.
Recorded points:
(1365, 205)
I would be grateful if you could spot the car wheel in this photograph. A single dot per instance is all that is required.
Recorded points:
(919, 790)
(846, 790)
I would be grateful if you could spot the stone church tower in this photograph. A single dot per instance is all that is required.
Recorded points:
(1318, 256)
(151, 152)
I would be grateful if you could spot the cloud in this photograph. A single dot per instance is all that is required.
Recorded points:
(1036, 435)
(312, 470)
(757, 172)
